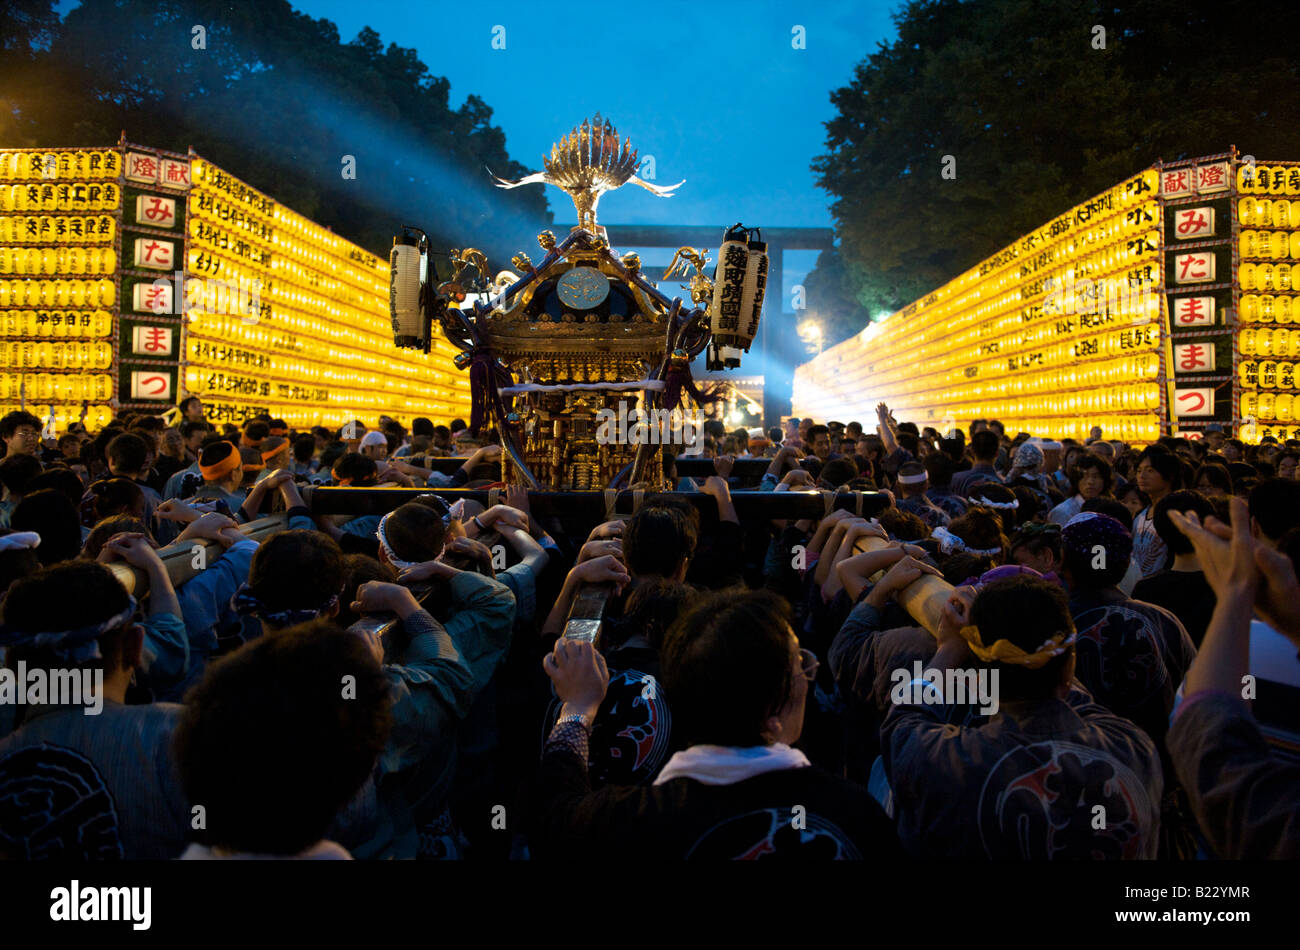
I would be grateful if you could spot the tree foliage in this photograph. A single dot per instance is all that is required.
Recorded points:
(276, 98)
(1036, 118)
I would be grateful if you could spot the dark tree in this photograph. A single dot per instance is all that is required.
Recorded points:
(1036, 118)
(274, 97)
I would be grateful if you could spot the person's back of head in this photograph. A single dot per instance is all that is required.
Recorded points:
(1182, 501)
(255, 432)
(221, 464)
(984, 445)
(838, 472)
(1275, 506)
(116, 496)
(660, 537)
(72, 614)
(359, 569)
(110, 526)
(998, 498)
(1095, 550)
(413, 533)
(728, 668)
(981, 533)
(17, 471)
(51, 515)
(17, 556)
(295, 576)
(652, 606)
(1032, 615)
(422, 426)
(355, 469)
(939, 469)
(304, 447)
(272, 715)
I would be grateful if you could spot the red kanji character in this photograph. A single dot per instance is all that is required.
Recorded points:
(1192, 221)
(160, 381)
(178, 172)
(1175, 181)
(144, 165)
(1187, 262)
(1198, 396)
(157, 210)
(1191, 310)
(155, 298)
(164, 252)
(155, 340)
(1210, 176)
(1193, 357)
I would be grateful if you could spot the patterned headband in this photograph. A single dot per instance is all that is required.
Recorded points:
(245, 602)
(393, 559)
(1004, 651)
(981, 500)
(949, 542)
(74, 647)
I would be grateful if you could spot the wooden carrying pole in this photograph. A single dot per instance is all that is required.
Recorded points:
(181, 558)
(923, 598)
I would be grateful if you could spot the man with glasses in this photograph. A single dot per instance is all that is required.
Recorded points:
(21, 432)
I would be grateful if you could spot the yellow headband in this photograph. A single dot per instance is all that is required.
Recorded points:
(1004, 651)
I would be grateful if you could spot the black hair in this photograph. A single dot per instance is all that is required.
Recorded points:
(115, 496)
(1036, 538)
(939, 468)
(727, 666)
(981, 528)
(51, 515)
(814, 431)
(188, 428)
(1184, 501)
(128, 453)
(304, 447)
(652, 606)
(296, 570)
(361, 469)
(984, 445)
(662, 533)
(273, 712)
(110, 526)
(256, 430)
(1089, 460)
(1131, 488)
(359, 569)
(16, 563)
(837, 472)
(1112, 506)
(1275, 504)
(185, 403)
(10, 423)
(902, 525)
(421, 426)
(1167, 465)
(416, 532)
(1026, 611)
(17, 471)
(456, 426)
(67, 596)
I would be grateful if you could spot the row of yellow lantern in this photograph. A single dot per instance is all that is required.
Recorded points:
(1252, 433)
(970, 327)
(57, 293)
(63, 197)
(351, 404)
(1268, 179)
(1268, 277)
(1265, 341)
(27, 354)
(56, 323)
(1268, 213)
(57, 229)
(328, 365)
(57, 387)
(67, 164)
(1266, 374)
(285, 280)
(1270, 406)
(1059, 247)
(267, 334)
(49, 261)
(95, 417)
(1267, 308)
(1269, 245)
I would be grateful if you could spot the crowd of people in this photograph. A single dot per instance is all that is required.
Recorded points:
(1034, 649)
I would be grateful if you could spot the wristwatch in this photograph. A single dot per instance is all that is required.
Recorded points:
(575, 717)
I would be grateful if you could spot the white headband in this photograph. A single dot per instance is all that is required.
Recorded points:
(949, 542)
(20, 541)
(912, 479)
(393, 559)
(981, 500)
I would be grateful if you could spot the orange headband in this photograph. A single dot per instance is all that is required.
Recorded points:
(227, 465)
(245, 441)
(267, 456)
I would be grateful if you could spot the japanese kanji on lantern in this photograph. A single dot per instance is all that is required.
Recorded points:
(1129, 311)
(60, 257)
